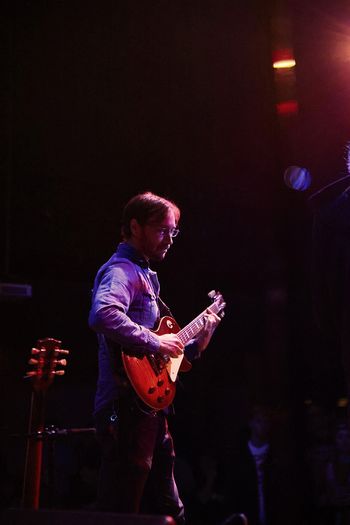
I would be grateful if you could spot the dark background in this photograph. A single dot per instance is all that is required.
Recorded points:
(103, 100)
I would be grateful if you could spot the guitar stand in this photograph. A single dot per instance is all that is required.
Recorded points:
(49, 435)
(52, 432)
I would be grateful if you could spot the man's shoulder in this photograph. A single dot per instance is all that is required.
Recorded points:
(117, 259)
(118, 264)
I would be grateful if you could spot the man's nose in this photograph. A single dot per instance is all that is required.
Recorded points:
(168, 237)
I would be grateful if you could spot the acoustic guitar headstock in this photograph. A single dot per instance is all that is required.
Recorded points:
(46, 362)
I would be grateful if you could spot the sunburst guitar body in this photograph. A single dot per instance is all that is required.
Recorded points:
(153, 376)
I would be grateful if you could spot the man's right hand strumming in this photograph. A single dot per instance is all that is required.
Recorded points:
(170, 345)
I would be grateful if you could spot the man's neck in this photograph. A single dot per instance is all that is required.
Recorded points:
(134, 244)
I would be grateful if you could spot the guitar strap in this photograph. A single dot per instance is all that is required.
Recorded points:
(163, 308)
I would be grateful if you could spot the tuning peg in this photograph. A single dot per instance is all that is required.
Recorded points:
(33, 361)
(31, 373)
(35, 351)
(61, 351)
(212, 294)
(62, 362)
(58, 372)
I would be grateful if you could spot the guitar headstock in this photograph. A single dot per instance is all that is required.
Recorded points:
(46, 362)
(218, 303)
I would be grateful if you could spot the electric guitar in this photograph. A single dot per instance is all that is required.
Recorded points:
(153, 376)
(45, 358)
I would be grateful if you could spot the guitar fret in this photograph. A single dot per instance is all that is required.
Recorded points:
(195, 326)
(191, 329)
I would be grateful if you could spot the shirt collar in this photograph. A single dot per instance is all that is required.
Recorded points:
(127, 251)
(258, 450)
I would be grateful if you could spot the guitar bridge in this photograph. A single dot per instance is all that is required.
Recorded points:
(158, 362)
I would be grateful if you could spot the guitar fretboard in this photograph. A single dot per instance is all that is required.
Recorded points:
(194, 327)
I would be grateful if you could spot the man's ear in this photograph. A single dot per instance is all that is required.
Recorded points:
(135, 228)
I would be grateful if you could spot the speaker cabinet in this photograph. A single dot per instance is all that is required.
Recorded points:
(63, 517)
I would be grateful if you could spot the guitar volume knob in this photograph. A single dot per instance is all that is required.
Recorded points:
(151, 390)
(160, 382)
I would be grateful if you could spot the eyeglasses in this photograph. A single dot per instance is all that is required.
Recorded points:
(163, 232)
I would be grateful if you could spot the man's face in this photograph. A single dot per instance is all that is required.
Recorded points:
(154, 239)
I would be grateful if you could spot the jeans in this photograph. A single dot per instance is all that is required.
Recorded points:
(137, 461)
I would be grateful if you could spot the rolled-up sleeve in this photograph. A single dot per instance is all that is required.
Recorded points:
(112, 298)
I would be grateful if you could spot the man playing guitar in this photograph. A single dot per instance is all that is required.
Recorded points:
(138, 365)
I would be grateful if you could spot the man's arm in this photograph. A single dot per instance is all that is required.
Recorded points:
(108, 315)
(197, 345)
(211, 322)
(111, 302)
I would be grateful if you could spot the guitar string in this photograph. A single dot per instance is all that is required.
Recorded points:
(195, 326)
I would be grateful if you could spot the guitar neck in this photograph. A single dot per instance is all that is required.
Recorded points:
(32, 469)
(194, 327)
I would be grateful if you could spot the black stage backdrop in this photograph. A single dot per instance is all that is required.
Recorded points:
(102, 100)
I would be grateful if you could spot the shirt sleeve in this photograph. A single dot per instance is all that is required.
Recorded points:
(192, 351)
(110, 306)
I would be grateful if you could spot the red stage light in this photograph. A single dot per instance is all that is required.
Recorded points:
(288, 107)
(283, 58)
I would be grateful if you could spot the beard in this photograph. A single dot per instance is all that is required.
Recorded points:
(159, 253)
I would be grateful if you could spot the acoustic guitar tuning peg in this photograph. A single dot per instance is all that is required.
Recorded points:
(58, 372)
(31, 373)
(62, 362)
(61, 351)
(35, 351)
(33, 361)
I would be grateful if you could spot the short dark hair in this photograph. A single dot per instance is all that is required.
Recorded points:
(145, 207)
